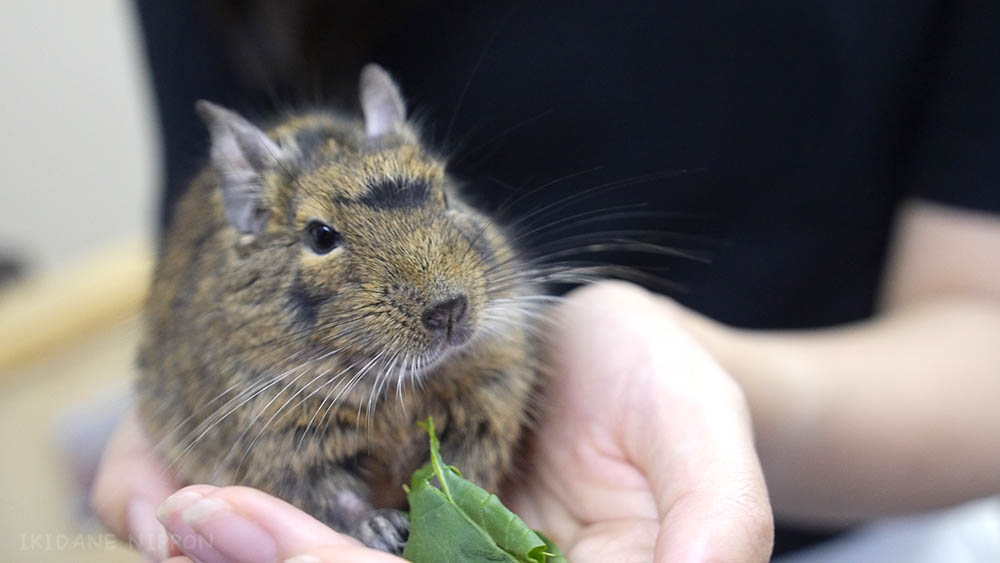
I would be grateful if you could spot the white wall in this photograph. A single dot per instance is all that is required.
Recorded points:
(79, 161)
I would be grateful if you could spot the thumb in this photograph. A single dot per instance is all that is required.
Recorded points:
(239, 524)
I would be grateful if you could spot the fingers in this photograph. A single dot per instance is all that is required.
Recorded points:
(239, 524)
(717, 526)
(624, 540)
(678, 416)
(708, 484)
(130, 483)
(697, 450)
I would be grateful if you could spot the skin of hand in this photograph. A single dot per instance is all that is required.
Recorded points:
(643, 452)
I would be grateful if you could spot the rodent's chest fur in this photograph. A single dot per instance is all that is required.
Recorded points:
(301, 367)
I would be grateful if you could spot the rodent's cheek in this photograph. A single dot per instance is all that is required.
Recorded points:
(371, 320)
(465, 223)
(323, 274)
(482, 240)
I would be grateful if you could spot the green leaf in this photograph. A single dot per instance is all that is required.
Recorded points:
(459, 522)
(555, 555)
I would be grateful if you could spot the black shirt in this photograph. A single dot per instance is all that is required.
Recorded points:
(802, 126)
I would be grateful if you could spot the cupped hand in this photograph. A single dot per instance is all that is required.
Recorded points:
(644, 451)
(208, 524)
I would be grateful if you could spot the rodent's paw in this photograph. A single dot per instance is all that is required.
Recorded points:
(385, 529)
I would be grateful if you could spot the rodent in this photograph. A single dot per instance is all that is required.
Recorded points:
(322, 288)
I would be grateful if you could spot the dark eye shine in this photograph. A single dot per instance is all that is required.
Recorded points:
(321, 237)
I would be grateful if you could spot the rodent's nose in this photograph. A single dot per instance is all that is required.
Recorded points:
(445, 316)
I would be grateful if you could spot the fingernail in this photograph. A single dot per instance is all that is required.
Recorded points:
(202, 510)
(175, 502)
(304, 559)
(145, 533)
(210, 531)
(166, 513)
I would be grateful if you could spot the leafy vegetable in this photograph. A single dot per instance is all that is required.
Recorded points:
(458, 522)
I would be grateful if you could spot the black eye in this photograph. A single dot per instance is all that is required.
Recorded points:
(322, 238)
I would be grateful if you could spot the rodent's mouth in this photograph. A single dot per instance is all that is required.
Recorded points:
(398, 364)
(440, 349)
(437, 355)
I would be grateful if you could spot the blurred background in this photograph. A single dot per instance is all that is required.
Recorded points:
(79, 146)
(79, 208)
(77, 205)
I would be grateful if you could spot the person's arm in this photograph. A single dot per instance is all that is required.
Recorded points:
(897, 414)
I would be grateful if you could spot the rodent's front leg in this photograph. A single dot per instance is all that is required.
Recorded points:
(341, 499)
(481, 451)
(482, 433)
(385, 529)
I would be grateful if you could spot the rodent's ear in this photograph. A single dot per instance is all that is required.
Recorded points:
(381, 101)
(241, 153)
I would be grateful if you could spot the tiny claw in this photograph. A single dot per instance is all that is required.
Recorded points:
(386, 529)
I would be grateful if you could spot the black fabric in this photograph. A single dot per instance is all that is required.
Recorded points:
(778, 138)
(956, 150)
(803, 127)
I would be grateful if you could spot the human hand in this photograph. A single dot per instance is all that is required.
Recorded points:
(207, 524)
(644, 451)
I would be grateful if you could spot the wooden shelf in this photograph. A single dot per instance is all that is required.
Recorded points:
(44, 313)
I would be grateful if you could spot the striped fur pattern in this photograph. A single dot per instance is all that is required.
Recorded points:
(303, 374)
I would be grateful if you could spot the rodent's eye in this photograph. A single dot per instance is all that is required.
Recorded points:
(321, 237)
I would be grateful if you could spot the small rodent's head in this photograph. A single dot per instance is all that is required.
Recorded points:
(367, 246)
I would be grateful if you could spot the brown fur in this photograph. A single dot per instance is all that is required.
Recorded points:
(250, 337)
